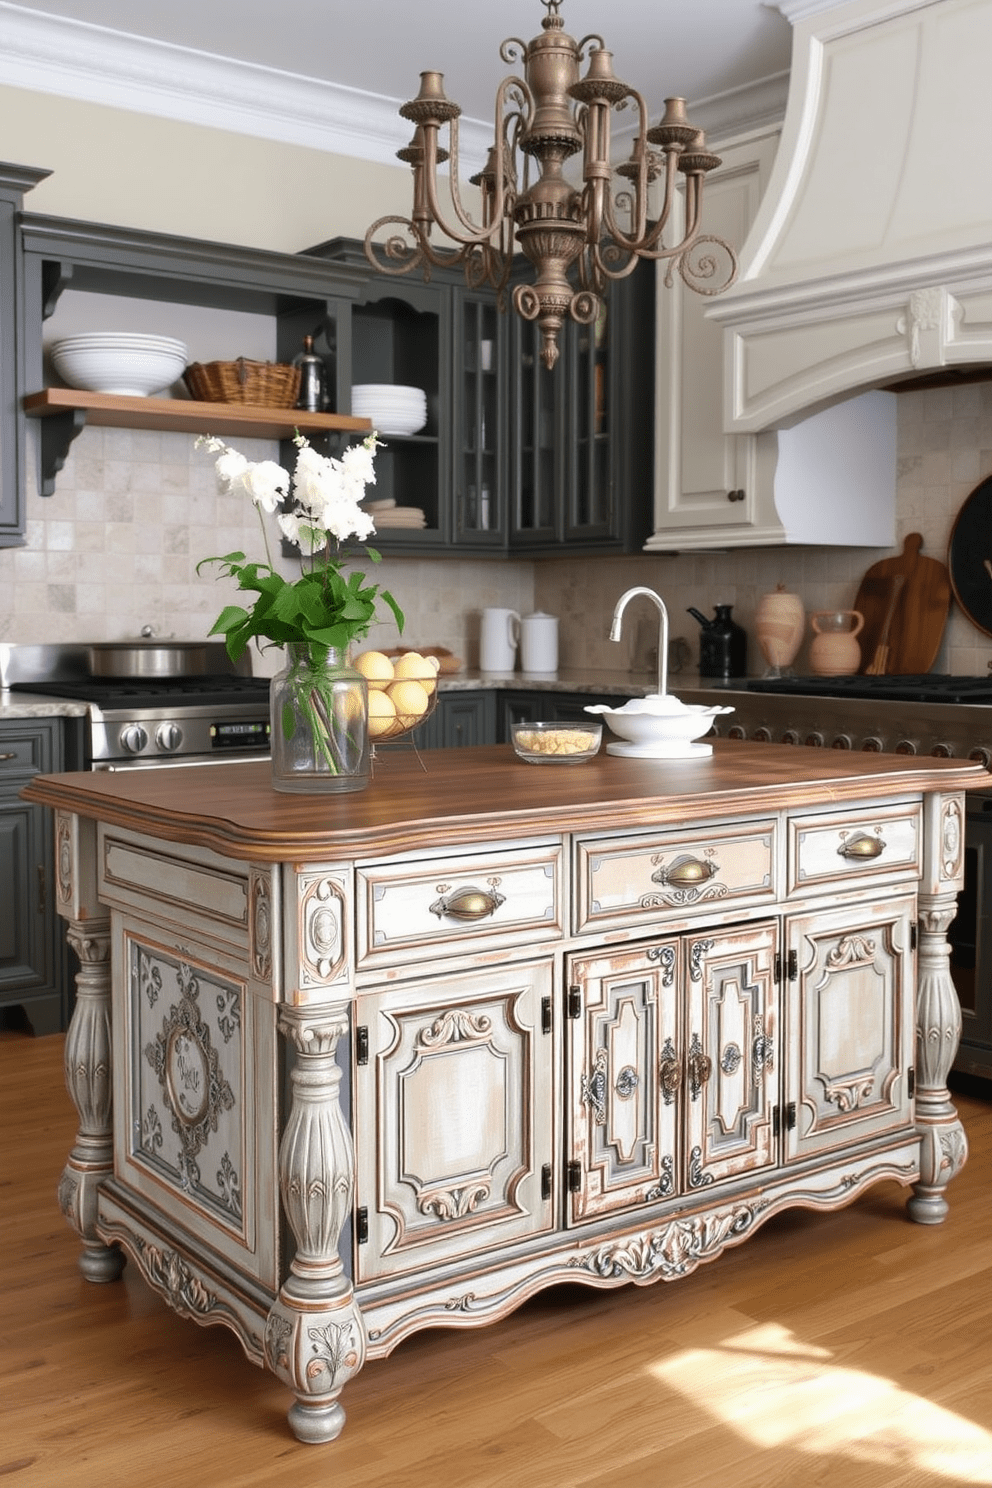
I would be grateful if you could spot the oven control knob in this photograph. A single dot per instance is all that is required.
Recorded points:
(763, 735)
(791, 736)
(905, 746)
(814, 740)
(133, 738)
(872, 745)
(981, 756)
(941, 751)
(841, 741)
(168, 736)
(737, 731)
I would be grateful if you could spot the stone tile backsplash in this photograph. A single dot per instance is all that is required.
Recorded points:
(116, 548)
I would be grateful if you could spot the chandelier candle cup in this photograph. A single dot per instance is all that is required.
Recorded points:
(548, 115)
(319, 703)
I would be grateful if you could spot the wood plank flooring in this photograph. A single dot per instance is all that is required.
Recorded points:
(852, 1348)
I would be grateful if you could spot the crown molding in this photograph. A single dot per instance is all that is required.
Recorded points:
(93, 64)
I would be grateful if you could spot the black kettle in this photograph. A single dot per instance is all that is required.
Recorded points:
(722, 644)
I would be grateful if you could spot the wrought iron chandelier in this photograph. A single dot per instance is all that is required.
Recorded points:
(594, 232)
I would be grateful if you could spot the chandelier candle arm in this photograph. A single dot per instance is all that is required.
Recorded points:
(546, 117)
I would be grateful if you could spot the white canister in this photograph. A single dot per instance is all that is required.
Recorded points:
(539, 642)
(499, 636)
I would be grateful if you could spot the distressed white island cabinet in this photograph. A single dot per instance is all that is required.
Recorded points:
(350, 1068)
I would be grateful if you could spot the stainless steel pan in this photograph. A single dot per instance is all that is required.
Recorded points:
(148, 658)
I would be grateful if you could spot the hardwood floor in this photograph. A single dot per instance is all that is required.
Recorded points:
(852, 1348)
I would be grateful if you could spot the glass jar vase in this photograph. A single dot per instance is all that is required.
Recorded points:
(318, 707)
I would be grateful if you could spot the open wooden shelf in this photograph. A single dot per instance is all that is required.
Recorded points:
(66, 411)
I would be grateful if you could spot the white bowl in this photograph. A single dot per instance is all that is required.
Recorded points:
(659, 726)
(120, 367)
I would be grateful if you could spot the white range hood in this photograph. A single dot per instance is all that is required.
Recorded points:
(870, 259)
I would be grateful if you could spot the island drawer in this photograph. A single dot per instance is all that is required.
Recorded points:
(456, 903)
(629, 881)
(841, 848)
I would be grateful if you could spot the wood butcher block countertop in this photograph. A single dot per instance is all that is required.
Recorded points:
(482, 794)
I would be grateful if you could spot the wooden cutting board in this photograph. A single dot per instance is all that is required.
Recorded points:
(905, 601)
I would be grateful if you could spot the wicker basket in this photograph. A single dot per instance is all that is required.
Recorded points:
(270, 384)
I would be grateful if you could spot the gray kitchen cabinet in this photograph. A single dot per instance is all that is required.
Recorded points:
(33, 958)
(460, 719)
(15, 180)
(548, 707)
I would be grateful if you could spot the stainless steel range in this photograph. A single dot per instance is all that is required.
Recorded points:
(210, 716)
(941, 715)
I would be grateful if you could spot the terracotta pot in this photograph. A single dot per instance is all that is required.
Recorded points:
(835, 651)
(779, 622)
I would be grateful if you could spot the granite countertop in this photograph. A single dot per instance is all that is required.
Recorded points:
(568, 679)
(32, 705)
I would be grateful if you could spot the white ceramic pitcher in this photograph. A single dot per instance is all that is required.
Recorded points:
(499, 637)
(539, 642)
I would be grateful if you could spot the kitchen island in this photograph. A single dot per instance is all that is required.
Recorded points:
(349, 1068)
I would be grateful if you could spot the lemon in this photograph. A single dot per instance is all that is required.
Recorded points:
(374, 666)
(410, 699)
(413, 666)
(382, 714)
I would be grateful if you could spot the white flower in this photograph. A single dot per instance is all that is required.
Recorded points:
(231, 467)
(266, 484)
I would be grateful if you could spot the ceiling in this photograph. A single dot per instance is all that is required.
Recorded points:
(700, 49)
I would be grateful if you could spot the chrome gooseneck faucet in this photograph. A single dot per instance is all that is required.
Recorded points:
(615, 629)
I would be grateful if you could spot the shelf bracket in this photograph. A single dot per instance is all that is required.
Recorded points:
(57, 433)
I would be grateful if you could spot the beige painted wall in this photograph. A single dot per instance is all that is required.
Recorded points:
(134, 170)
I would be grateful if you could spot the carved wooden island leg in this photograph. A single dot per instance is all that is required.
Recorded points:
(315, 1335)
(943, 1145)
(88, 1056)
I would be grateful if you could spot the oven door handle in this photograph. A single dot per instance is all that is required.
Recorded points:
(175, 764)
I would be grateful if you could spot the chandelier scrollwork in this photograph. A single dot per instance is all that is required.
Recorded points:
(591, 233)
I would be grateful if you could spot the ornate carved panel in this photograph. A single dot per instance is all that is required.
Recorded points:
(186, 1079)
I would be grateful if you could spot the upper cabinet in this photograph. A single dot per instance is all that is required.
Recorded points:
(829, 479)
(513, 458)
(15, 180)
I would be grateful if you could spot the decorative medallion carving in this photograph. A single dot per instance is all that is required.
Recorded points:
(698, 1177)
(260, 924)
(666, 1181)
(168, 1271)
(851, 950)
(850, 1095)
(762, 1050)
(626, 1082)
(455, 1027)
(186, 1063)
(697, 951)
(927, 310)
(730, 1059)
(674, 1250)
(322, 939)
(951, 840)
(63, 857)
(454, 1203)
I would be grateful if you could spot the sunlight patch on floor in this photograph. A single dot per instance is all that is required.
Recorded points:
(779, 1392)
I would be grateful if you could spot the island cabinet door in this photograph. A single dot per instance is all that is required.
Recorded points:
(623, 1011)
(731, 1052)
(454, 1102)
(849, 1012)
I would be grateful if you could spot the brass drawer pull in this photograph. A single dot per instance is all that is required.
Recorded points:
(468, 903)
(685, 873)
(9, 755)
(862, 848)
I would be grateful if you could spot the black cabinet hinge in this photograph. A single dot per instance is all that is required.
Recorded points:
(545, 1014)
(790, 1116)
(361, 1045)
(575, 1177)
(362, 1225)
(912, 935)
(783, 1118)
(574, 1002)
(546, 1181)
(911, 1082)
(786, 969)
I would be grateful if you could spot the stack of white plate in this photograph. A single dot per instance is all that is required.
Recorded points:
(392, 407)
(127, 365)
